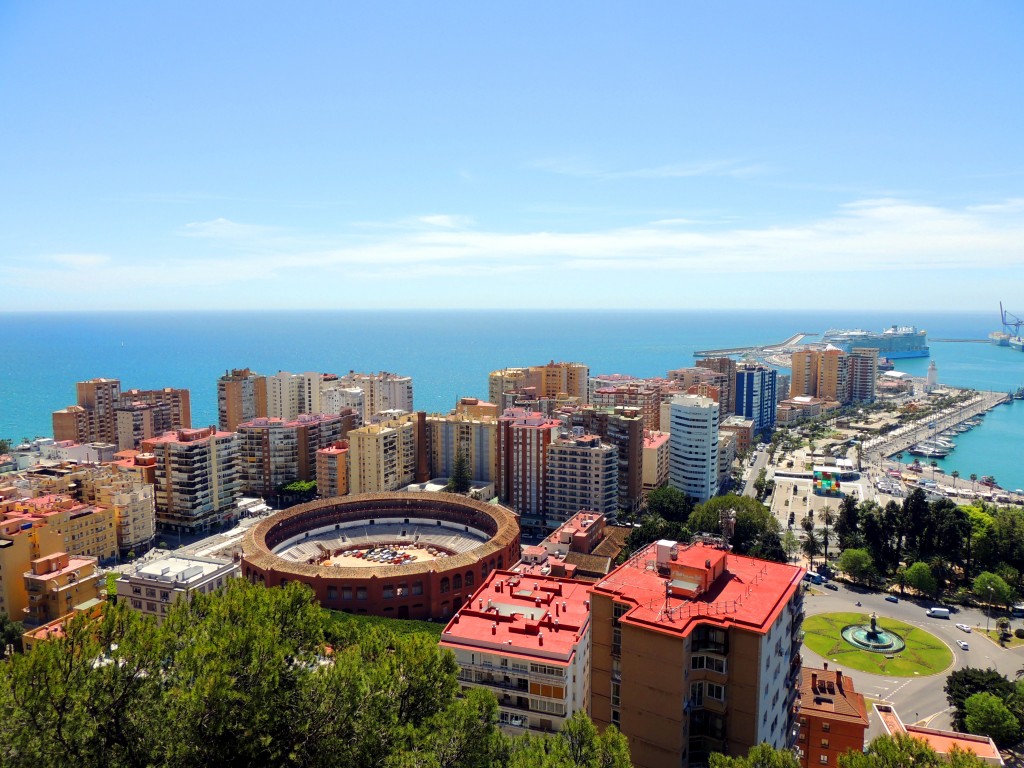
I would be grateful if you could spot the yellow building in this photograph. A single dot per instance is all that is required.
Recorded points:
(382, 457)
(821, 374)
(87, 530)
(53, 630)
(22, 540)
(549, 381)
(58, 582)
(655, 460)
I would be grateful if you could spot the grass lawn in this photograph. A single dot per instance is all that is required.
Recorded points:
(398, 626)
(925, 654)
(993, 635)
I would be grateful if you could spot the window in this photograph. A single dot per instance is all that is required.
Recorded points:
(360, 593)
(824, 743)
(823, 759)
(417, 588)
(697, 694)
(469, 578)
(457, 582)
(710, 663)
(445, 585)
(346, 593)
(825, 727)
(165, 595)
(716, 691)
(389, 591)
(332, 593)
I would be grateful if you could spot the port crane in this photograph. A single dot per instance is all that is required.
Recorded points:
(1010, 321)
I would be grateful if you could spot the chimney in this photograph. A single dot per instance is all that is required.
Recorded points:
(839, 680)
(826, 665)
(814, 681)
(556, 609)
(494, 628)
(540, 638)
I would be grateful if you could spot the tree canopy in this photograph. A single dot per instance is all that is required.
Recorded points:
(257, 676)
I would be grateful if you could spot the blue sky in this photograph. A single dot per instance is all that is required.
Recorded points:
(677, 155)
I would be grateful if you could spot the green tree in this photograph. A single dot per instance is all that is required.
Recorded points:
(857, 564)
(992, 589)
(5, 446)
(790, 543)
(761, 756)
(920, 577)
(811, 546)
(964, 683)
(903, 751)
(10, 635)
(828, 519)
(986, 715)
(461, 479)
(670, 504)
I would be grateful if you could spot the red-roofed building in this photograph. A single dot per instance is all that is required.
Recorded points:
(526, 638)
(833, 716)
(943, 742)
(696, 650)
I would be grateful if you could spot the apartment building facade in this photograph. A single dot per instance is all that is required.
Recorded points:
(274, 452)
(693, 446)
(696, 650)
(473, 437)
(241, 396)
(623, 428)
(582, 475)
(383, 457)
(384, 391)
(332, 470)
(526, 639)
(198, 478)
(833, 717)
(153, 587)
(56, 583)
(523, 441)
(755, 391)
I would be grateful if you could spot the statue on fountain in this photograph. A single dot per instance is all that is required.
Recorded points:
(874, 623)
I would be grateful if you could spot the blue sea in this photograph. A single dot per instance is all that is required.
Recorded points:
(449, 354)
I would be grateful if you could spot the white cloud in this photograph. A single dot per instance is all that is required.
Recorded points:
(866, 237)
(80, 260)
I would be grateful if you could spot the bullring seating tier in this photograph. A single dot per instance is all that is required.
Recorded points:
(363, 535)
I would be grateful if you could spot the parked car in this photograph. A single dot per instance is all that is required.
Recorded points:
(963, 645)
(830, 585)
(892, 599)
(963, 627)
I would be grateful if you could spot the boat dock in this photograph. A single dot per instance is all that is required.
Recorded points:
(792, 341)
(901, 440)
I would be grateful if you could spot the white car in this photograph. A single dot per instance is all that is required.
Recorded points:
(963, 627)
(963, 645)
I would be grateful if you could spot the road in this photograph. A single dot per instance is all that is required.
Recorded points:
(760, 462)
(917, 699)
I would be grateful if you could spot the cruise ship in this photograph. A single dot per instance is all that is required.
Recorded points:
(897, 342)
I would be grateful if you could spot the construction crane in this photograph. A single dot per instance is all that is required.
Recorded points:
(1010, 321)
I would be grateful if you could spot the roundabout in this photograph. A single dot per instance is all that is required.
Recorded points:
(879, 645)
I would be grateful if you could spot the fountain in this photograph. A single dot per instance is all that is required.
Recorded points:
(873, 639)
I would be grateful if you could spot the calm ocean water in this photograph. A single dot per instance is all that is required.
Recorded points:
(449, 355)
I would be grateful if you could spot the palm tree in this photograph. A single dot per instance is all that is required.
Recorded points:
(954, 474)
(811, 547)
(899, 460)
(974, 478)
(828, 516)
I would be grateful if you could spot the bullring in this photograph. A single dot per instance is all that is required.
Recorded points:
(406, 555)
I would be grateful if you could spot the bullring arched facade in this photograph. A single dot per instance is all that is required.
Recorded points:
(424, 590)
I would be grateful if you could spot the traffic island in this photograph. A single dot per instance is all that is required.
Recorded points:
(922, 654)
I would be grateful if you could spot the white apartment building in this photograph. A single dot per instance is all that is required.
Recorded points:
(382, 391)
(335, 398)
(291, 394)
(693, 446)
(526, 639)
(152, 588)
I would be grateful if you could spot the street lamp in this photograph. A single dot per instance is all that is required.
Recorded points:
(988, 608)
